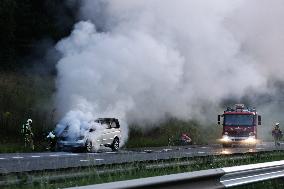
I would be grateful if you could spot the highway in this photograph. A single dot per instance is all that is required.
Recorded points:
(22, 162)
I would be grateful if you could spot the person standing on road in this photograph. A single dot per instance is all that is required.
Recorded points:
(52, 140)
(277, 134)
(185, 139)
(28, 134)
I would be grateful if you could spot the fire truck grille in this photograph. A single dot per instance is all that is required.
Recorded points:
(239, 134)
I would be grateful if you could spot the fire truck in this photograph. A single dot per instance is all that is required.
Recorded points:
(239, 126)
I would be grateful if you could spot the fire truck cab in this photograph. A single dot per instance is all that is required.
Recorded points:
(239, 126)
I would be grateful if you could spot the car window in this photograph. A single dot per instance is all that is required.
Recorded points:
(113, 125)
(106, 125)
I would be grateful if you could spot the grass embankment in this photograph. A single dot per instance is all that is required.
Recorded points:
(110, 173)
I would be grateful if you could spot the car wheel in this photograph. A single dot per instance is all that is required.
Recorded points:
(89, 146)
(115, 144)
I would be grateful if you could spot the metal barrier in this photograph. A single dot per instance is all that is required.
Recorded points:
(206, 179)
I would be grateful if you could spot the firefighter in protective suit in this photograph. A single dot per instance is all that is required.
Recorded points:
(52, 140)
(185, 139)
(28, 134)
(277, 134)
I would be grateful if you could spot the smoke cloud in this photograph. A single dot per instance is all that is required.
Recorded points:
(142, 60)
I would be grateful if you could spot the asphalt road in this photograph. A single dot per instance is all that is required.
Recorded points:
(21, 162)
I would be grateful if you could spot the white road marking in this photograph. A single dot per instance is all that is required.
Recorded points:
(71, 154)
(204, 147)
(2, 158)
(17, 157)
(84, 160)
(201, 152)
(111, 152)
(35, 156)
(92, 153)
(167, 149)
(259, 148)
(99, 159)
(53, 155)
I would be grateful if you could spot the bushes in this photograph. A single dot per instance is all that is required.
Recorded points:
(24, 97)
(158, 135)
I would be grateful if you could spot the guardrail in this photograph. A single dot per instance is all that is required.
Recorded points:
(206, 179)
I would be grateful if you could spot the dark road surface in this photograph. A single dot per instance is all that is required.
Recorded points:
(20, 162)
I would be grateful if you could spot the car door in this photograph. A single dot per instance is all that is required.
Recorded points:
(106, 134)
(112, 132)
(115, 131)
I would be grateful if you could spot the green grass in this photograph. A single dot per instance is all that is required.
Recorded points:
(140, 170)
(11, 148)
(18, 147)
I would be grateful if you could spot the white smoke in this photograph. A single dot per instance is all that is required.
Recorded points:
(142, 60)
(77, 123)
(96, 134)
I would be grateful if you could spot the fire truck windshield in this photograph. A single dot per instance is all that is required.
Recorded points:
(238, 120)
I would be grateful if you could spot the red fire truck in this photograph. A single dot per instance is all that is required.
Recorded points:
(239, 126)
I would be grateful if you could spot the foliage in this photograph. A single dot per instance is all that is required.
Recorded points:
(170, 130)
(23, 97)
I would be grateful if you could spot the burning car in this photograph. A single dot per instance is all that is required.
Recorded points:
(100, 132)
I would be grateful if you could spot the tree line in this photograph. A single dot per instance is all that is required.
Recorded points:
(24, 23)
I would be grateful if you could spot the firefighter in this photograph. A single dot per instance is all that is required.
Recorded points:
(185, 139)
(52, 140)
(28, 134)
(277, 134)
